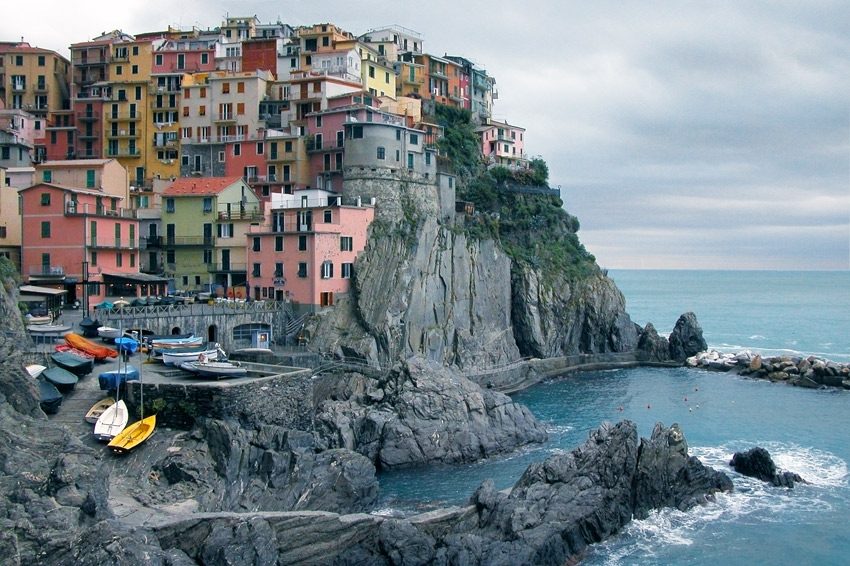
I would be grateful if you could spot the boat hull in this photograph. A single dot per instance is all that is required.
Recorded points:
(50, 398)
(132, 436)
(98, 409)
(215, 370)
(63, 379)
(78, 365)
(111, 422)
(176, 358)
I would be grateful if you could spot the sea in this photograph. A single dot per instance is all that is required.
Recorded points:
(806, 431)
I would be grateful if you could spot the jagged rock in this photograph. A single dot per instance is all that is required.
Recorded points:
(427, 414)
(651, 347)
(757, 463)
(686, 339)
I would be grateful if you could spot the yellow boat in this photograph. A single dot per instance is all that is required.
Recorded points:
(133, 435)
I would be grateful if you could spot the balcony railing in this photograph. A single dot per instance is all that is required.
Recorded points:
(47, 271)
(224, 117)
(150, 242)
(73, 208)
(113, 243)
(183, 241)
(240, 215)
(123, 116)
(123, 153)
(88, 116)
(227, 267)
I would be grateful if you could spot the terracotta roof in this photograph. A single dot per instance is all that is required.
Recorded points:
(200, 185)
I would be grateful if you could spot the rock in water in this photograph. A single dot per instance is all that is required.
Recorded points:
(651, 347)
(757, 463)
(686, 340)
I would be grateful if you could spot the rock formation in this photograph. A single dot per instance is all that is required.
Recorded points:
(421, 413)
(757, 463)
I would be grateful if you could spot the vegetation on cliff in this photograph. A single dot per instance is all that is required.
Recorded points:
(516, 208)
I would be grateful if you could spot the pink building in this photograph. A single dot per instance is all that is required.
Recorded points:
(306, 248)
(72, 235)
(503, 145)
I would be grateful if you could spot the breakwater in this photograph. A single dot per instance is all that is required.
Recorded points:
(801, 371)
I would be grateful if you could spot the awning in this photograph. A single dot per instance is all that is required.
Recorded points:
(38, 290)
(135, 277)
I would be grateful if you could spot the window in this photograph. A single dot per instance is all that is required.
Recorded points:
(134, 69)
(427, 158)
(119, 259)
(237, 149)
(319, 121)
(302, 243)
(302, 269)
(90, 178)
(414, 139)
(225, 88)
(45, 229)
(278, 269)
(158, 60)
(398, 135)
(255, 271)
(326, 299)
(346, 243)
(94, 259)
(357, 132)
(119, 69)
(45, 199)
(278, 243)
(260, 148)
(205, 58)
(46, 176)
(410, 160)
(382, 153)
(169, 205)
(256, 244)
(41, 60)
(2, 231)
(371, 72)
(170, 256)
(387, 78)
(347, 269)
(208, 256)
(132, 260)
(240, 87)
(225, 230)
(328, 216)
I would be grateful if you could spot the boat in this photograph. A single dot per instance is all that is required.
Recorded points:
(104, 305)
(89, 327)
(125, 343)
(133, 435)
(111, 380)
(173, 358)
(111, 421)
(50, 398)
(216, 369)
(108, 333)
(63, 379)
(69, 348)
(38, 319)
(100, 351)
(78, 365)
(56, 329)
(168, 343)
(98, 409)
(34, 370)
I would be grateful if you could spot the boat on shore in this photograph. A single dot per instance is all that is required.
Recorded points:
(99, 351)
(49, 397)
(34, 370)
(48, 329)
(63, 379)
(215, 369)
(171, 343)
(89, 326)
(76, 364)
(98, 408)
(112, 380)
(133, 435)
(108, 333)
(111, 421)
(176, 357)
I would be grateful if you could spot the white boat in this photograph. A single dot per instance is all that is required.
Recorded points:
(48, 328)
(215, 369)
(111, 421)
(176, 358)
(170, 343)
(35, 369)
(108, 333)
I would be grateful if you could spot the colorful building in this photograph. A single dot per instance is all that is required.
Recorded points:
(503, 145)
(305, 250)
(205, 220)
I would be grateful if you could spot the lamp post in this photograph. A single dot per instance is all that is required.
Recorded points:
(86, 287)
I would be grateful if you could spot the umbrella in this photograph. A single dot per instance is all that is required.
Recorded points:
(121, 303)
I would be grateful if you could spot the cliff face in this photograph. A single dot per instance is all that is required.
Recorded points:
(460, 302)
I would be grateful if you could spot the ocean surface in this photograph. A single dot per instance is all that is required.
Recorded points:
(806, 431)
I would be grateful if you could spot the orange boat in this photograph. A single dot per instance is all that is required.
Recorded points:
(97, 350)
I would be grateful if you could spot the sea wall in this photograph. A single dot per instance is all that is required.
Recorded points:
(284, 397)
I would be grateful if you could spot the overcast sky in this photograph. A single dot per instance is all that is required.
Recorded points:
(704, 135)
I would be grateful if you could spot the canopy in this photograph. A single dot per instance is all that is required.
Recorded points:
(112, 379)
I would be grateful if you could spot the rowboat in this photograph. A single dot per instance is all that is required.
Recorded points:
(215, 369)
(76, 364)
(43, 329)
(133, 435)
(100, 351)
(38, 319)
(98, 409)
(108, 333)
(50, 398)
(111, 421)
(34, 370)
(63, 379)
(169, 343)
(173, 358)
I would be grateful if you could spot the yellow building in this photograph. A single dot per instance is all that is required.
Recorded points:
(33, 79)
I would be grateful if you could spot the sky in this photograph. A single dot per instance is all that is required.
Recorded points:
(683, 135)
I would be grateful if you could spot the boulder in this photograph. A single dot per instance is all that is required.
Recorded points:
(651, 347)
(686, 339)
(757, 463)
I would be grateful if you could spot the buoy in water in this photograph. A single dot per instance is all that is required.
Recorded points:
(649, 406)
(621, 407)
(686, 399)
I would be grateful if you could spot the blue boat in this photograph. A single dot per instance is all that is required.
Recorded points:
(113, 379)
(125, 343)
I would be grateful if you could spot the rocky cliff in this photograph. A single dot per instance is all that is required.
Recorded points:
(429, 290)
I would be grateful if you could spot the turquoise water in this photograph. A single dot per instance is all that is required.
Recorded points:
(806, 431)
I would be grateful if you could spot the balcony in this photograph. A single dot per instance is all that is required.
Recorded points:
(240, 215)
(47, 271)
(112, 243)
(96, 60)
(123, 153)
(88, 136)
(88, 116)
(227, 267)
(18, 86)
(225, 117)
(188, 241)
(150, 242)
(123, 134)
(151, 267)
(123, 116)
(163, 105)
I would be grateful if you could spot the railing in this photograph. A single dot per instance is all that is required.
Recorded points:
(47, 270)
(73, 208)
(226, 267)
(150, 242)
(123, 153)
(240, 215)
(116, 243)
(119, 116)
(88, 116)
(179, 241)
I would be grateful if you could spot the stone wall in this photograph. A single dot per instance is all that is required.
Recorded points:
(284, 399)
(394, 191)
